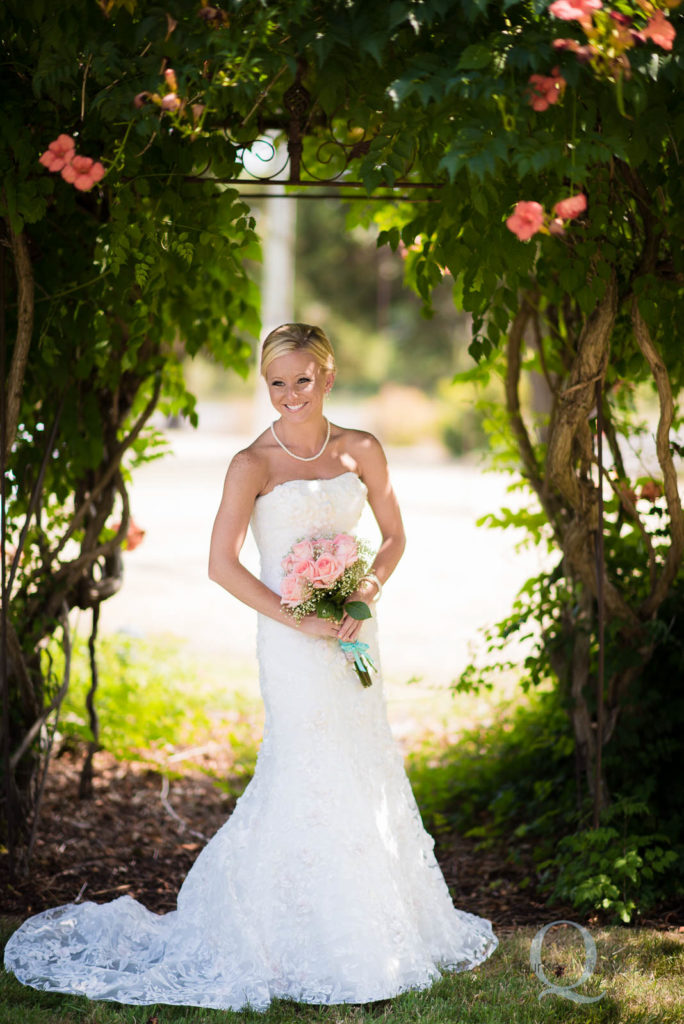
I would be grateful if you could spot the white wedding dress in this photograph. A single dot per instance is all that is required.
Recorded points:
(322, 886)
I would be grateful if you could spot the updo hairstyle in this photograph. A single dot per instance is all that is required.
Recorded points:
(297, 338)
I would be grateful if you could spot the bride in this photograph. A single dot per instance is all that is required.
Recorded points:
(322, 886)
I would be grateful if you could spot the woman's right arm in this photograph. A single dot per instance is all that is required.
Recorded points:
(244, 481)
(240, 489)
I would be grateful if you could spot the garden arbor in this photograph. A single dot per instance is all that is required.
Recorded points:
(545, 149)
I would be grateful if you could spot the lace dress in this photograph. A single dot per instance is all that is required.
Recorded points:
(322, 886)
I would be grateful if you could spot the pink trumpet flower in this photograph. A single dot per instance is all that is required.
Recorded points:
(170, 102)
(575, 10)
(583, 53)
(660, 30)
(544, 90)
(571, 207)
(526, 220)
(83, 172)
(59, 153)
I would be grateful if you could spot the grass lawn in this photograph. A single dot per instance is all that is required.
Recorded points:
(641, 972)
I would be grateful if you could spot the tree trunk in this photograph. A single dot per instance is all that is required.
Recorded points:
(15, 379)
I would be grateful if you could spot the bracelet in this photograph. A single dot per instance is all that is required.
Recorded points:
(370, 577)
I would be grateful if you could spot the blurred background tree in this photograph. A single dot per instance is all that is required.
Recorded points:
(346, 281)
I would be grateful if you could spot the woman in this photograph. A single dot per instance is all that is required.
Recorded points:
(298, 365)
(322, 886)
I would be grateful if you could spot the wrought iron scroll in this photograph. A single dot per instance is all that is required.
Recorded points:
(302, 117)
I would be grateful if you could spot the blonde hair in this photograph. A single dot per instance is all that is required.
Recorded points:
(297, 338)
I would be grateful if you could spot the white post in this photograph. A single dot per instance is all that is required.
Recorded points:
(277, 290)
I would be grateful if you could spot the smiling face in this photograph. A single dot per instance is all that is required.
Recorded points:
(297, 385)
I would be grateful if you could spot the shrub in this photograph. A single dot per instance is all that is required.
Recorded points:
(610, 869)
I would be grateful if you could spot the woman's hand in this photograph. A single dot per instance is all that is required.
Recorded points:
(311, 625)
(349, 627)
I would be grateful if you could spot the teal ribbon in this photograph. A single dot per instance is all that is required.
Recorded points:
(361, 658)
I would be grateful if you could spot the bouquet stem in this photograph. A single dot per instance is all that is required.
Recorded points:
(358, 651)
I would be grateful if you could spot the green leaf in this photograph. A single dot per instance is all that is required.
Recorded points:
(371, 178)
(475, 57)
(328, 610)
(357, 610)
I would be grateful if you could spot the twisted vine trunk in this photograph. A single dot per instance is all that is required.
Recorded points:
(567, 484)
(25, 313)
(41, 579)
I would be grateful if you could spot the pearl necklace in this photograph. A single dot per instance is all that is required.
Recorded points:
(303, 458)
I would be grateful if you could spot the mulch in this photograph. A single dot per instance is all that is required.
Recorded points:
(141, 831)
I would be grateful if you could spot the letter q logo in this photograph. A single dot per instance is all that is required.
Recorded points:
(565, 991)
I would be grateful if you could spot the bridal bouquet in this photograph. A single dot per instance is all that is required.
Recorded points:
(319, 574)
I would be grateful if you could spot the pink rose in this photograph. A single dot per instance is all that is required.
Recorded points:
(327, 570)
(527, 218)
(571, 207)
(302, 549)
(346, 548)
(59, 153)
(575, 10)
(287, 563)
(325, 545)
(303, 569)
(659, 29)
(293, 590)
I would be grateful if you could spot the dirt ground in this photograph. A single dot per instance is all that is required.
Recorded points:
(140, 834)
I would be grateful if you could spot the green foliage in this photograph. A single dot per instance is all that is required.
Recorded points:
(525, 790)
(649, 735)
(510, 780)
(611, 870)
(496, 150)
(150, 704)
(147, 696)
(511, 784)
(537, 622)
(121, 280)
(130, 276)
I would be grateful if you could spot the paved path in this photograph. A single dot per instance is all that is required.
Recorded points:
(453, 579)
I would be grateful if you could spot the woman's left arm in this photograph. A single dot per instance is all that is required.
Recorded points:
(374, 472)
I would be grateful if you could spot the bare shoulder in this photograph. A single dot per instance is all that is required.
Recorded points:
(248, 469)
(365, 453)
(364, 447)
